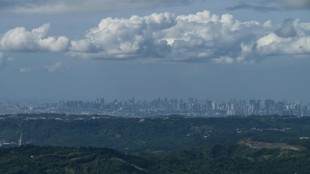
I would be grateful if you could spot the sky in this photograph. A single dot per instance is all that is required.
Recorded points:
(226, 49)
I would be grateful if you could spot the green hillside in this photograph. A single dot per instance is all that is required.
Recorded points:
(231, 159)
(32, 159)
(214, 159)
(133, 135)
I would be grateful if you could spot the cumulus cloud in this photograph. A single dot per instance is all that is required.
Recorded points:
(291, 39)
(200, 37)
(85, 6)
(272, 44)
(124, 38)
(196, 37)
(19, 39)
(208, 37)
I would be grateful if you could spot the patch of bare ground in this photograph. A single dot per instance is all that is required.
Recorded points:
(260, 145)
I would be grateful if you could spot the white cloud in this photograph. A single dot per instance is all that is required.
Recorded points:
(54, 67)
(19, 39)
(195, 37)
(208, 37)
(124, 38)
(86, 6)
(28, 69)
(272, 44)
(200, 37)
(291, 39)
(44, 68)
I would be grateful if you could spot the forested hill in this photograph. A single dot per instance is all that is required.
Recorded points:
(38, 160)
(214, 159)
(131, 135)
(163, 145)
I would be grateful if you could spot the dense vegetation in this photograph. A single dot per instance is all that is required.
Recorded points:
(131, 135)
(234, 158)
(31, 159)
(165, 145)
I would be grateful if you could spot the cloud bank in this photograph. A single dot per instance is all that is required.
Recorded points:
(125, 38)
(83, 6)
(293, 38)
(200, 37)
(19, 39)
(196, 37)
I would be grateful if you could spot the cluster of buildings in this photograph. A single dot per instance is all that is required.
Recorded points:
(156, 107)
(19, 142)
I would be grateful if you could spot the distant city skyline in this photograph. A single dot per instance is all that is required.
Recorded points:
(159, 107)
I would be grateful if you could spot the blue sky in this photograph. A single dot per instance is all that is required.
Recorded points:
(77, 49)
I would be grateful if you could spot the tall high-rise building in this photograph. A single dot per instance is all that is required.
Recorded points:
(269, 107)
(20, 140)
